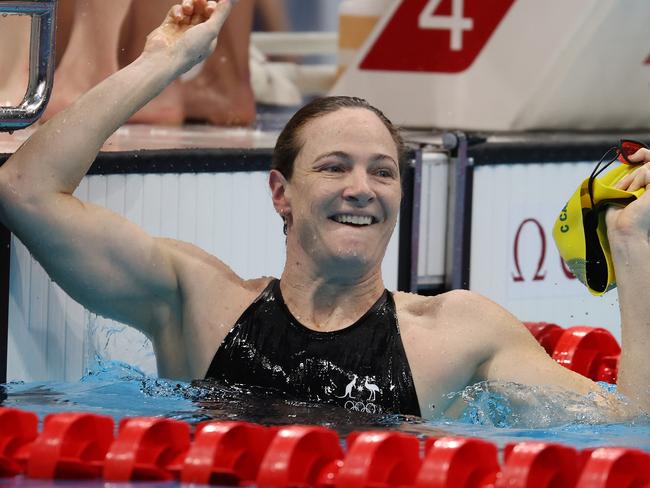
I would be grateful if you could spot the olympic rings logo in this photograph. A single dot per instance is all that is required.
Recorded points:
(362, 407)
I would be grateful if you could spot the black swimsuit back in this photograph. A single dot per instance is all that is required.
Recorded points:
(362, 367)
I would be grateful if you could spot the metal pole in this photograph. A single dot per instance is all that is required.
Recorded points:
(408, 232)
(5, 242)
(460, 212)
(41, 62)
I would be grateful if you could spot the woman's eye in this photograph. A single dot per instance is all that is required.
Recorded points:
(384, 173)
(333, 169)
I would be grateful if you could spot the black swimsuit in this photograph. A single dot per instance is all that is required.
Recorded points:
(362, 367)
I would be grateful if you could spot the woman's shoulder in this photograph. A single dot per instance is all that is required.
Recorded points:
(454, 301)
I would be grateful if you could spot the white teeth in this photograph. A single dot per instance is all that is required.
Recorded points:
(354, 219)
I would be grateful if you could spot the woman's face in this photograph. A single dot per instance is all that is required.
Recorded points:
(345, 192)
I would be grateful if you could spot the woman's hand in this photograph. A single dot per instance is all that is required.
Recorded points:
(634, 219)
(189, 32)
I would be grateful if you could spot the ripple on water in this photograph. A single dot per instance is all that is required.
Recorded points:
(499, 412)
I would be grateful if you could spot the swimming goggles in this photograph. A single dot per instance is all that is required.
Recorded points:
(622, 153)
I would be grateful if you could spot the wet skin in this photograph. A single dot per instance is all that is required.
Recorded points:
(348, 166)
(186, 300)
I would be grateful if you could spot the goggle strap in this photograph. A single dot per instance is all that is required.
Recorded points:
(605, 166)
(597, 170)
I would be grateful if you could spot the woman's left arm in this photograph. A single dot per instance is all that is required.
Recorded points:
(628, 231)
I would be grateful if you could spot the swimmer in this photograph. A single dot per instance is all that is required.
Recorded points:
(327, 330)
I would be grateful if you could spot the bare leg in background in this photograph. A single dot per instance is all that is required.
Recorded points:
(14, 58)
(144, 16)
(221, 93)
(91, 53)
(100, 36)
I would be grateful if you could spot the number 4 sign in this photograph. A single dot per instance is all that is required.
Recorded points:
(442, 36)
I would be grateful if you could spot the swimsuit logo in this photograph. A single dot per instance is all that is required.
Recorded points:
(354, 392)
(348, 388)
(372, 388)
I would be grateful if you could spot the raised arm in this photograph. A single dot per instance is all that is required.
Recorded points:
(628, 231)
(102, 260)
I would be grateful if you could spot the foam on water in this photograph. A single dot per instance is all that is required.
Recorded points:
(508, 412)
(504, 404)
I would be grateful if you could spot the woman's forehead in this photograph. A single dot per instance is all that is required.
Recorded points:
(347, 127)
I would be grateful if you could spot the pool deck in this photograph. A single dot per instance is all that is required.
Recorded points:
(137, 137)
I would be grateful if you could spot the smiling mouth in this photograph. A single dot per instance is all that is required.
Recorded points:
(354, 220)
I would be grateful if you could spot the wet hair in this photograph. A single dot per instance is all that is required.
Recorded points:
(289, 144)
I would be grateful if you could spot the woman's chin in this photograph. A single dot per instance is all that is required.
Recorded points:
(351, 260)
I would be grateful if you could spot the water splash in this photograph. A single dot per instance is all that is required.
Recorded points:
(111, 340)
(512, 405)
(499, 412)
(101, 369)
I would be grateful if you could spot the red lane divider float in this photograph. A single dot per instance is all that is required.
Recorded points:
(71, 446)
(380, 459)
(147, 449)
(612, 467)
(539, 464)
(81, 445)
(300, 455)
(453, 461)
(591, 351)
(581, 349)
(226, 453)
(18, 430)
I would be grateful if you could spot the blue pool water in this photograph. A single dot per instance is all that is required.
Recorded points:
(119, 390)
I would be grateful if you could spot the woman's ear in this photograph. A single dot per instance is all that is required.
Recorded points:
(279, 195)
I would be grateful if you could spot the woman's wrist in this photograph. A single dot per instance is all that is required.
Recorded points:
(159, 64)
(627, 245)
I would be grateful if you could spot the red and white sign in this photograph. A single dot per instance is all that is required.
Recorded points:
(507, 65)
(439, 36)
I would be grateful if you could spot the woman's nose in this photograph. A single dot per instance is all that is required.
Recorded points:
(358, 188)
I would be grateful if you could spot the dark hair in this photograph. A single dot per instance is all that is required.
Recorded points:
(288, 144)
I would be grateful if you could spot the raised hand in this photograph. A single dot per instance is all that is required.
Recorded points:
(189, 32)
(635, 218)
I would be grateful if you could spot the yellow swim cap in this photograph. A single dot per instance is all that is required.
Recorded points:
(580, 232)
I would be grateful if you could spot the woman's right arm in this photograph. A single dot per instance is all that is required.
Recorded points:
(101, 259)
